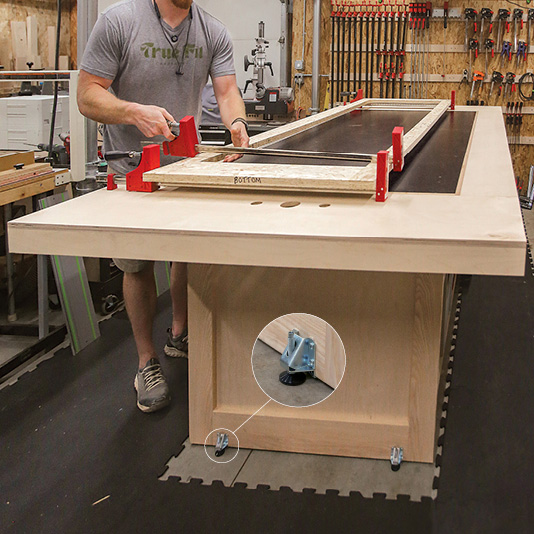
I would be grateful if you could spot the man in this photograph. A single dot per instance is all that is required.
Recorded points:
(155, 56)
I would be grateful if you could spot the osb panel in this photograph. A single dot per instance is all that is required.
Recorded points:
(303, 93)
(74, 34)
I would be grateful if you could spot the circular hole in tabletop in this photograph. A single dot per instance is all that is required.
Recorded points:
(257, 203)
(292, 204)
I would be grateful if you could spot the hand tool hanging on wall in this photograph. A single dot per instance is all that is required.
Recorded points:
(470, 14)
(383, 53)
(521, 54)
(445, 22)
(397, 53)
(342, 56)
(465, 79)
(477, 77)
(389, 53)
(518, 20)
(332, 56)
(506, 52)
(473, 49)
(376, 49)
(509, 83)
(371, 52)
(496, 78)
(403, 55)
(519, 122)
(508, 119)
(486, 14)
(502, 16)
(428, 15)
(367, 54)
(514, 109)
(360, 84)
(421, 66)
(412, 55)
(489, 46)
(355, 57)
(419, 14)
(394, 49)
(338, 63)
(349, 52)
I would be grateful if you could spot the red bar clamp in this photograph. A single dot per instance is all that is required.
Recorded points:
(359, 96)
(150, 160)
(382, 176)
(453, 100)
(111, 182)
(398, 156)
(185, 144)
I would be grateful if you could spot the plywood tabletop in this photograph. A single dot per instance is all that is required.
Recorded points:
(478, 231)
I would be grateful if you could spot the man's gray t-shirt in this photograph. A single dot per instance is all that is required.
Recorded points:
(128, 45)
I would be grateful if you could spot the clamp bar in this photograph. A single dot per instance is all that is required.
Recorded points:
(347, 156)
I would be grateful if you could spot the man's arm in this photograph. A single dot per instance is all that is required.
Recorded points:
(98, 104)
(231, 106)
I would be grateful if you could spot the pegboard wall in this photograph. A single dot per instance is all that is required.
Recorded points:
(429, 50)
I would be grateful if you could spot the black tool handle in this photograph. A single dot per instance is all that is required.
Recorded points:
(116, 154)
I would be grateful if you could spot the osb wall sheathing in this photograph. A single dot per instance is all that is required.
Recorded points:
(455, 63)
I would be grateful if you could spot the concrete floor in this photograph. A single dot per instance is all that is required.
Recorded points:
(267, 368)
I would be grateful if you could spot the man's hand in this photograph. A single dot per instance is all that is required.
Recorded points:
(239, 138)
(151, 120)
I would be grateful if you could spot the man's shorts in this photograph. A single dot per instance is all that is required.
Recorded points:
(132, 266)
(129, 266)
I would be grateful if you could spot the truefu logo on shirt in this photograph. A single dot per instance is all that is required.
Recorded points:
(151, 51)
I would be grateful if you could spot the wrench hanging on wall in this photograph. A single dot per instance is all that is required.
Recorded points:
(518, 19)
(502, 16)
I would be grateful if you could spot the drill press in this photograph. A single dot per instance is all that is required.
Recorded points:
(268, 101)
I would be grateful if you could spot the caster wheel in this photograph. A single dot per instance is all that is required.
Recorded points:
(109, 304)
(395, 467)
(295, 379)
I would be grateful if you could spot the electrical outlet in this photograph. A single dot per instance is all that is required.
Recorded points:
(299, 79)
(299, 64)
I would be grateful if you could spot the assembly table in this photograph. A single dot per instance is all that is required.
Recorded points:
(382, 274)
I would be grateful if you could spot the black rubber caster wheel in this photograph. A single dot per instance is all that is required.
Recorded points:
(294, 379)
(109, 304)
(395, 467)
(219, 453)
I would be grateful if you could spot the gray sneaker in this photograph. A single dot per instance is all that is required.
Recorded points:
(176, 347)
(151, 386)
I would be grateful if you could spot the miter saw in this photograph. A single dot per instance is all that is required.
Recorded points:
(268, 101)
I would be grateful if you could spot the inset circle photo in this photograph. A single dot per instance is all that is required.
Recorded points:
(298, 360)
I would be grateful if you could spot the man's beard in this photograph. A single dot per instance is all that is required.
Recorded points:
(182, 4)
